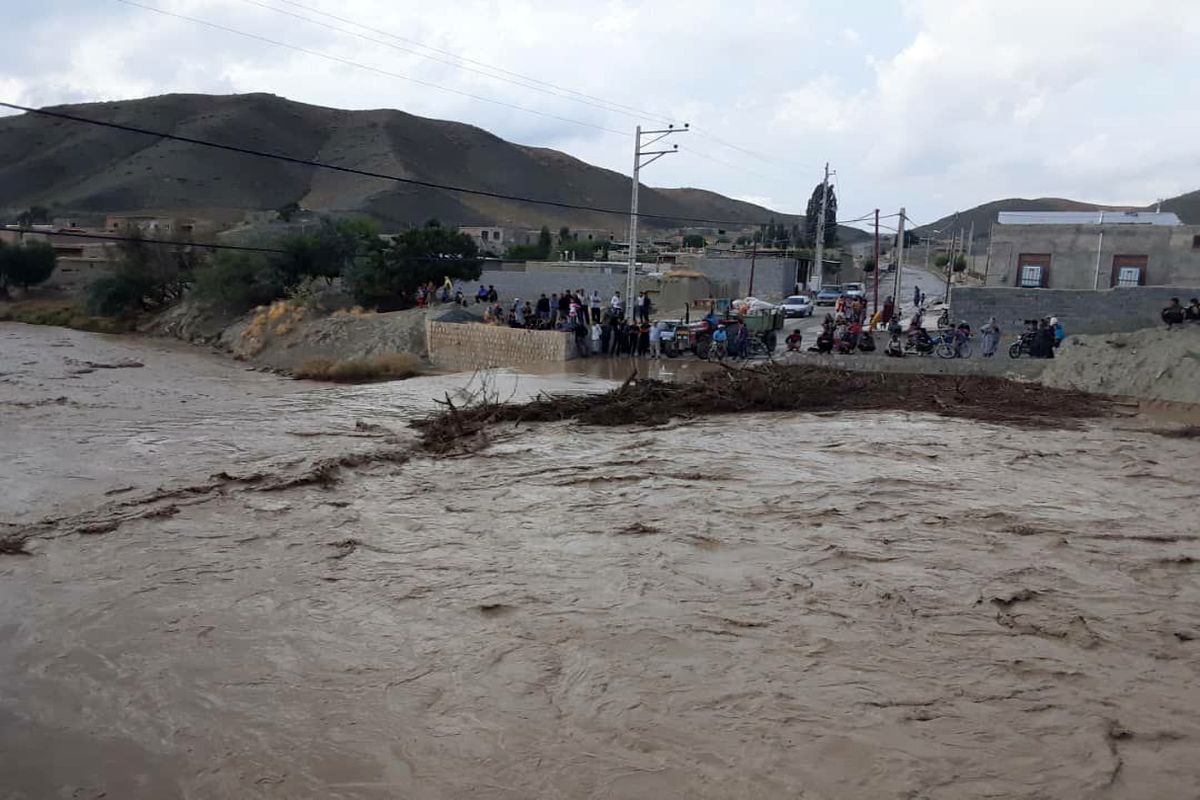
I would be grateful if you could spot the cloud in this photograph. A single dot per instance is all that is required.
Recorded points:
(953, 103)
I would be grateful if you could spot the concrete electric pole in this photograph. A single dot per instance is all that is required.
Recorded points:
(638, 154)
(819, 255)
(899, 256)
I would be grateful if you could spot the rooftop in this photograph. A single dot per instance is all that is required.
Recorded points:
(1088, 218)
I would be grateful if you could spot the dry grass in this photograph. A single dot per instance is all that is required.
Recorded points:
(61, 314)
(388, 367)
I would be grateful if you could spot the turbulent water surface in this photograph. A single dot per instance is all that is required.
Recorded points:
(785, 605)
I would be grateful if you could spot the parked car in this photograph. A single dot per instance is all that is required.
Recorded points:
(797, 305)
(854, 290)
(829, 295)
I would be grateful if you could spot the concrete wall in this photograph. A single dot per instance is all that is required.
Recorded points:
(774, 278)
(531, 283)
(1106, 311)
(1171, 258)
(467, 345)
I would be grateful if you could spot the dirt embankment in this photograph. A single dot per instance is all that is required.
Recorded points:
(289, 337)
(1151, 364)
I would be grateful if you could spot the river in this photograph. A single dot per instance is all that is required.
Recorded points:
(857, 605)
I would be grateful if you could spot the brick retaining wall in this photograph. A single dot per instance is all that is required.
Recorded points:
(466, 345)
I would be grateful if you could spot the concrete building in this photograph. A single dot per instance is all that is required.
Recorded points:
(1092, 250)
(150, 225)
(489, 238)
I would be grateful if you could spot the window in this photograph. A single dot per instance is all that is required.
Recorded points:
(1196, 242)
(483, 235)
(495, 236)
(1033, 270)
(1128, 271)
(1031, 276)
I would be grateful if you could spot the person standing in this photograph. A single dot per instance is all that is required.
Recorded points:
(595, 305)
(543, 308)
(646, 306)
(1059, 332)
(615, 305)
(889, 310)
(493, 295)
(990, 336)
(916, 295)
(597, 335)
(655, 341)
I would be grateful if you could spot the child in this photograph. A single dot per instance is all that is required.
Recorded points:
(793, 341)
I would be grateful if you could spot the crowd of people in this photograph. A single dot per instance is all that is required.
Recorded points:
(1176, 313)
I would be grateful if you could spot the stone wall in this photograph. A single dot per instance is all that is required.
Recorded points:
(1080, 311)
(467, 346)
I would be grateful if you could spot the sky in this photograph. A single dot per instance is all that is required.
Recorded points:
(931, 105)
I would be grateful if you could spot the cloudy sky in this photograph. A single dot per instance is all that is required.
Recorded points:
(936, 105)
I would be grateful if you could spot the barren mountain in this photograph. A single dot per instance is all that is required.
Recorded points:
(1187, 206)
(72, 166)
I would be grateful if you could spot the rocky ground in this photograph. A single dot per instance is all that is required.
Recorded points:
(1153, 364)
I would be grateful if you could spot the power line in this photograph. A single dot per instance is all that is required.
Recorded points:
(458, 62)
(358, 65)
(481, 68)
(108, 238)
(364, 173)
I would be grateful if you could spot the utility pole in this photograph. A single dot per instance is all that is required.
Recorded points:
(899, 256)
(753, 257)
(877, 264)
(638, 154)
(819, 255)
(971, 246)
(950, 265)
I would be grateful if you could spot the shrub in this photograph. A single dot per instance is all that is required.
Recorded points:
(237, 282)
(25, 265)
(390, 366)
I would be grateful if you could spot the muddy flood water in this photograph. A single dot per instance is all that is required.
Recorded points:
(241, 586)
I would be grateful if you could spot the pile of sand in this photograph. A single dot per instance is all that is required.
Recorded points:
(1154, 364)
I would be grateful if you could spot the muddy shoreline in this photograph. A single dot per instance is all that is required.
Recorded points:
(262, 592)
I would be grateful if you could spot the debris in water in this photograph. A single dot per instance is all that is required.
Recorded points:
(773, 387)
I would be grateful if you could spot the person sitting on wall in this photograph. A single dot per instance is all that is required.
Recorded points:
(1174, 313)
(895, 348)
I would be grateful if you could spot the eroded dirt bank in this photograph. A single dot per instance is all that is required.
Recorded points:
(847, 605)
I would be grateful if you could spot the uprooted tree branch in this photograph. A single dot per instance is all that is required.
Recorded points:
(466, 426)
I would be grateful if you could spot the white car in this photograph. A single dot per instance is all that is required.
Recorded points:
(797, 306)
(854, 290)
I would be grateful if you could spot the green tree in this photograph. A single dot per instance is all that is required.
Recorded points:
(941, 260)
(813, 212)
(388, 278)
(960, 263)
(238, 281)
(564, 236)
(694, 240)
(329, 251)
(869, 265)
(34, 215)
(25, 265)
(545, 243)
(288, 210)
(742, 240)
(149, 277)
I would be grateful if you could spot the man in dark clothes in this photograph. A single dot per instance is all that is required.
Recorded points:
(889, 310)
(564, 305)
(1173, 314)
(646, 307)
(543, 308)
(1043, 343)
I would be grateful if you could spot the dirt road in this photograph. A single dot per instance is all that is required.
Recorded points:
(778, 605)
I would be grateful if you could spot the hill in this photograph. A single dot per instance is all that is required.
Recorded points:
(79, 168)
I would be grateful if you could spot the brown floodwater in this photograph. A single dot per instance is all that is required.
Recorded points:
(867, 605)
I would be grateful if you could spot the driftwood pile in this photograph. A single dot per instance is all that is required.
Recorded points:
(767, 388)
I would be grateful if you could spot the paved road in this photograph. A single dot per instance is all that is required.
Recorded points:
(933, 286)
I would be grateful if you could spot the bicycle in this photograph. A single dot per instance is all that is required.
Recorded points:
(952, 346)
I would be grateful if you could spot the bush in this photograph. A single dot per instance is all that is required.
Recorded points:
(149, 277)
(238, 281)
(389, 278)
(960, 263)
(941, 261)
(869, 265)
(391, 366)
(25, 265)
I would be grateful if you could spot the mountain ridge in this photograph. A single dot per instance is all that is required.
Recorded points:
(78, 168)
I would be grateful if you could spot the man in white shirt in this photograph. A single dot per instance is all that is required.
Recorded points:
(656, 340)
(615, 304)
